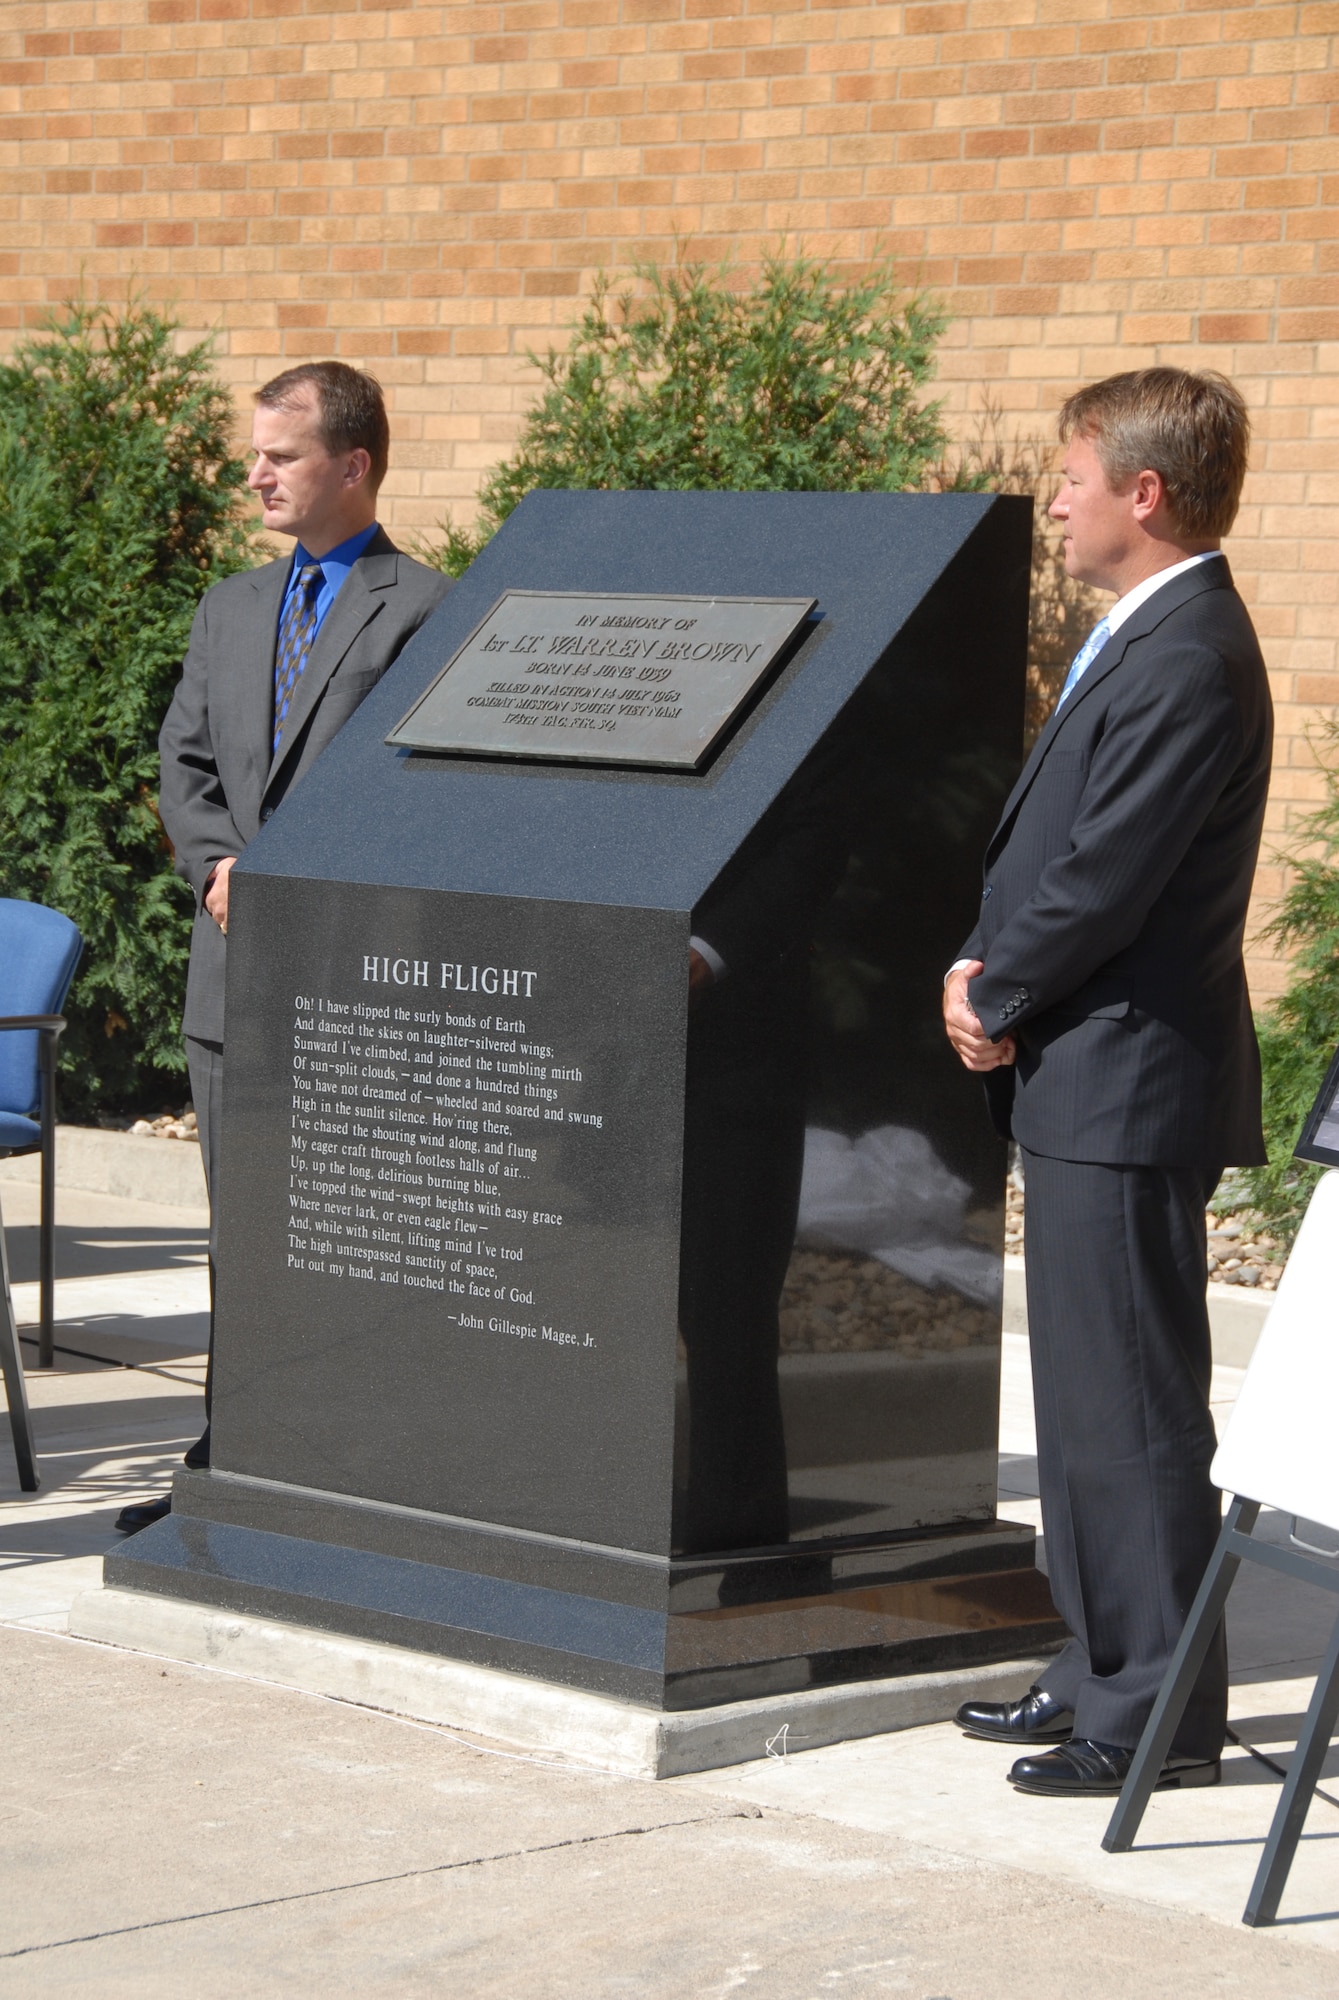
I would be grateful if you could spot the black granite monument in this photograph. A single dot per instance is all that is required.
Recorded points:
(575, 1318)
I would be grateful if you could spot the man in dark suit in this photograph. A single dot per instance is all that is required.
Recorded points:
(1103, 998)
(279, 659)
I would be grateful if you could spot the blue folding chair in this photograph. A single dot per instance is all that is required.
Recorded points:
(39, 950)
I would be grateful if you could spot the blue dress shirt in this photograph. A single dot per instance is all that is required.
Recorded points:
(334, 566)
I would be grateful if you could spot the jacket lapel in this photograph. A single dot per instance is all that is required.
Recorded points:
(352, 611)
(1212, 575)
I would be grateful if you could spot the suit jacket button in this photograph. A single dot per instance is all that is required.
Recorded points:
(987, 892)
(266, 812)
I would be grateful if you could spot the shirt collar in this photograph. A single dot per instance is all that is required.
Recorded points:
(336, 563)
(1125, 607)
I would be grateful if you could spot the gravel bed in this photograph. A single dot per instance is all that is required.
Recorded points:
(835, 1303)
(167, 1125)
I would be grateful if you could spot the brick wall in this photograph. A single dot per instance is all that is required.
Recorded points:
(1088, 184)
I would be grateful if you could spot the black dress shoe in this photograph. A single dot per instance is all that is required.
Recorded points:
(143, 1514)
(1083, 1769)
(197, 1457)
(1037, 1718)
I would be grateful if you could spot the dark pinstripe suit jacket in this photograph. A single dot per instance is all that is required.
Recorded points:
(221, 776)
(1116, 890)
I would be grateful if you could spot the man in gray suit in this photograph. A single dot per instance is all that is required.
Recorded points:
(1103, 997)
(279, 659)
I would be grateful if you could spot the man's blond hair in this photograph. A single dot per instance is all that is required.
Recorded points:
(1194, 431)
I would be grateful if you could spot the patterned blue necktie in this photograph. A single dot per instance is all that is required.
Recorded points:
(1084, 658)
(297, 629)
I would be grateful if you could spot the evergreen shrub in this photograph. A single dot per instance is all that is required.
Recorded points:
(1300, 1032)
(118, 507)
(677, 379)
(681, 381)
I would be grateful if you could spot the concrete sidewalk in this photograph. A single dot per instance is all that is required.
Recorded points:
(169, 1825)
(125, 1399)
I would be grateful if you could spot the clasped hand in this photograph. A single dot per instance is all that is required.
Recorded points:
(964, 1029)
(216, 893)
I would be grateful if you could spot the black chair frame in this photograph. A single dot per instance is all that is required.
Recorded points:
(16, 1392)
(1235, 1545)
(50, 1028)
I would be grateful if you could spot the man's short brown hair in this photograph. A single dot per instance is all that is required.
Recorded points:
(1192, 430)
(353, 415)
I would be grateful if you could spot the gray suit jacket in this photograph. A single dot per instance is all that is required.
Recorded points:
(221, 778)
(1116, 891)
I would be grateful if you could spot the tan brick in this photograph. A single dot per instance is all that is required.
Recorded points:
(935, 20)
(1065, 138)
(1296, 191)
(1139, 133)
(1142, 66)
(994, 145)
(1233, 327)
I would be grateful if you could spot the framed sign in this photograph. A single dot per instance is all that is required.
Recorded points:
(1319, 1142)
(597, 678)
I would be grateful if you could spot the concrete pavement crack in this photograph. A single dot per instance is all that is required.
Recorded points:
(374, 1882)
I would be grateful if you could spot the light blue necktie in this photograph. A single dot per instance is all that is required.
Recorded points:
(297, 629)
(1084, 658)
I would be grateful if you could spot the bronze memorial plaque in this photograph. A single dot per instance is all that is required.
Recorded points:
(602, 677)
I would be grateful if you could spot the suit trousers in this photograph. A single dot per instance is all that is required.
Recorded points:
(1121, 1364)
(204, 1066)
